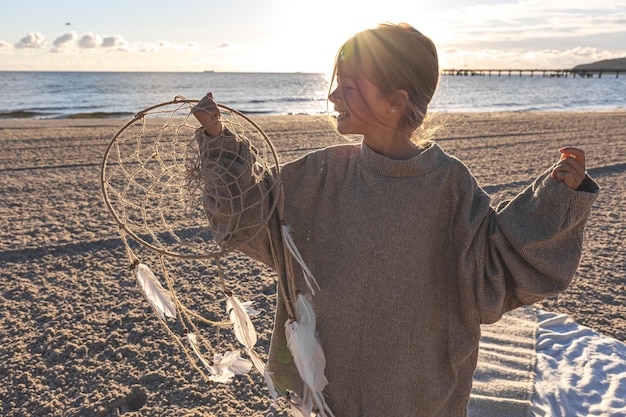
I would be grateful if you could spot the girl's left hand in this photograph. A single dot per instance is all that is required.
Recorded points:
(208, 114)
(571, 167)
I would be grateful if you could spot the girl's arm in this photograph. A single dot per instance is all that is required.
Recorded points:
(530, 249)
(239, 192)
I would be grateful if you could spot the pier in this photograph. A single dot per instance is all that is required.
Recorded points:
(586, 73)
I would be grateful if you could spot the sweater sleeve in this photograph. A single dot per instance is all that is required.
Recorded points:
(238, 195)
(529, 249)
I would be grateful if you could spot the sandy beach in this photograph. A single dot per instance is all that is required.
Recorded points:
(79, 339)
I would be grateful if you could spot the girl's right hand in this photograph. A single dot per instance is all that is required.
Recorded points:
(570, 169)
(208, 114)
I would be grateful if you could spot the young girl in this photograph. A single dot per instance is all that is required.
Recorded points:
(409, 254)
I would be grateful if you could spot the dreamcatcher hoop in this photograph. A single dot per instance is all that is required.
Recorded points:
(159, 185)
(148, 189)
(154, 183)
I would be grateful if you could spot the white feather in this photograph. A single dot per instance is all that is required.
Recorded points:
(293, 249)
(193, 341)
(247, 306)
(239, 314)
(256, 361)
(154, 292)
(323, 408)
(231, 361)
(297, 412)
(304, 346)
(305, 406)
(242, 325)
(267, 375)
(308, 357)
(224, 367)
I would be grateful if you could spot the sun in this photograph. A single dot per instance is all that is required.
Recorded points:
(311, 33)
(306, 36)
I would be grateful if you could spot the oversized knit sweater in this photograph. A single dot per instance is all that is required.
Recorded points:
(411, 258)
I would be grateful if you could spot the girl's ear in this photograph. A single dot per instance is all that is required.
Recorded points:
(398, 99)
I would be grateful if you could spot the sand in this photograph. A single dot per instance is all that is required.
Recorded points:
(78, 338)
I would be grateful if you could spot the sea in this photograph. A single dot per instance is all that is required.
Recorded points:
(53, 95)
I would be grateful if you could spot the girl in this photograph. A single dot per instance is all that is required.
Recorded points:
(409, 255)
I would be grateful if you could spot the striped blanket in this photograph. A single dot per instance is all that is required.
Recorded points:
(536, 363)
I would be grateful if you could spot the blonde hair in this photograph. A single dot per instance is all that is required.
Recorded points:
(395, 57)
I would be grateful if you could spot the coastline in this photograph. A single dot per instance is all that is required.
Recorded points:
(72, 95)
(79, 339)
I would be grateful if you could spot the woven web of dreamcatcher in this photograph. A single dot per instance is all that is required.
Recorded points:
(155, 186)
(151, 184)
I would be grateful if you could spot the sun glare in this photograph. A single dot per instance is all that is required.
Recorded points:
(313, 32)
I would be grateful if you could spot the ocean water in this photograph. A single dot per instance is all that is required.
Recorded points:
(114, 94)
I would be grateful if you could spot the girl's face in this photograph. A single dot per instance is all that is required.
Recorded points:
(361, 105)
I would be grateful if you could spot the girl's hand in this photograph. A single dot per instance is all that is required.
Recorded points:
(208, 114)
(571, 167)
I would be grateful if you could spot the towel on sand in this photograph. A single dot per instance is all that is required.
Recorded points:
(535, 363)
(579, 372)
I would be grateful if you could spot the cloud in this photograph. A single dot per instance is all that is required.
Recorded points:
(64, 42)
(90, 41)
(33, 40)
(71, 41)
(532, 23)
(526, 59)
(146, 48)
(115, 42)
(191, 46)
(5, 46)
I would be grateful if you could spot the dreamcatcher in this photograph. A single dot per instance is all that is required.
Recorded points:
(155, 177)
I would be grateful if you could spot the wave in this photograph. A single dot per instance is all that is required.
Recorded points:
(98, 115)
(30, 114)
(258, 112)
(24, 114)
(286, 100)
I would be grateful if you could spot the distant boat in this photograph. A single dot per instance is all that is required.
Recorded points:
(209, 70)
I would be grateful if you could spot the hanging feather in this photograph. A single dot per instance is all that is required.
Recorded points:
(304, 407)
(193, 341)
(247, 306)
(308, 357)
(232, 362)
(256, 360)
(293, 249)
(154, 292)
(242, 325)
(267, 375)
(306, 349)
(239, 315)
(296, 411)
(224, 367)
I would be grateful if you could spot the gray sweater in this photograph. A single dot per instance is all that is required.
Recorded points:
(411, 258)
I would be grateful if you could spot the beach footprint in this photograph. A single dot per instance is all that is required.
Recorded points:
(132, 402)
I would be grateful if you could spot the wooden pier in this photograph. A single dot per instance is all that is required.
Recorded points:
(540, 72)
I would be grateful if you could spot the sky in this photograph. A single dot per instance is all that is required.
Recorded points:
(299, 35)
